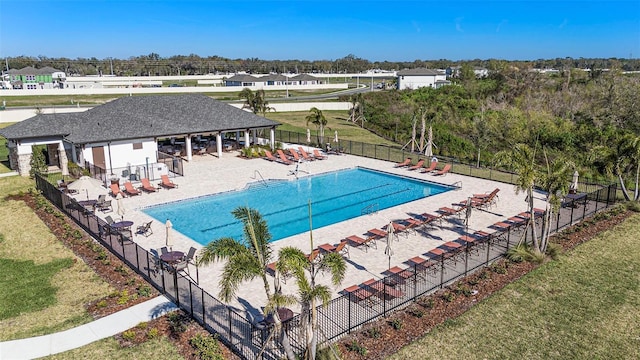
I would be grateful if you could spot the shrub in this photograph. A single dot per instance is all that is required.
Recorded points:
(520, 253)
(463, 290)
(396, 324)
(499, 268)
(633, 206)
(178, 322)
(374, 333)
(144, 290)
(206, 347)
(101, 304)
(121, 269)
(142, 325)
(153, 333)
(357, 348)
(417, 313)
(449, 296)
(554, 251)
(330, 352)
(129, 335)
(427, 302)
(124, 297)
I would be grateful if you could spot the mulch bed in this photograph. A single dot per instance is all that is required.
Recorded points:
(380, 338)
(131, 288)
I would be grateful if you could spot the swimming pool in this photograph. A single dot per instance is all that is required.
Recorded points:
(335, 197)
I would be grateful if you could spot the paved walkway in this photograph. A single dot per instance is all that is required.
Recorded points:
(46, 345)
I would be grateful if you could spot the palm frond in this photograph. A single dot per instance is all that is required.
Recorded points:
(220, 249)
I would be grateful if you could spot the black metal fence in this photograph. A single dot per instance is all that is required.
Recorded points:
(343, 314)
(397, 154)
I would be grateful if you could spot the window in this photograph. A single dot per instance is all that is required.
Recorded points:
(137, 146)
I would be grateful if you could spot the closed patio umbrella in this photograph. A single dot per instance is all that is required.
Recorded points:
(428, 151)
(308, 136)
(121, 209)
(169, 238)
(335, 136)
(467, 213)
(388, 250)
(574, 182)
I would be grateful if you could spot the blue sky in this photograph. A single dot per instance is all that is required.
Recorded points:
(321, 30)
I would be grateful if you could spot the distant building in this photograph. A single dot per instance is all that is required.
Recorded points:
(31, 78)
(454, 71)
(417, 78)
(242, 80)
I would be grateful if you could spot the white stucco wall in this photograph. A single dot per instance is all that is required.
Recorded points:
(415, 82)
(120, 154)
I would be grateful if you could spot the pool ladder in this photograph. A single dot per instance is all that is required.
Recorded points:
(262, 180)
(370, 209)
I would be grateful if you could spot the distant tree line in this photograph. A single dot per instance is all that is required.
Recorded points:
(591, 118)
(155, 65)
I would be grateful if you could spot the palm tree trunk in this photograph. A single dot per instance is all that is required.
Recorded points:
(625, 192)
(536, 245)
(636, 192)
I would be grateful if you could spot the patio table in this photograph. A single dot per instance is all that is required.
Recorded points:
(122, 225)
(172, 257)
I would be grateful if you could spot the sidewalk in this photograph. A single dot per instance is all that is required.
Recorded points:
(82, 335)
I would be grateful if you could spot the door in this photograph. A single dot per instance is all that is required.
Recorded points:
(98, 157)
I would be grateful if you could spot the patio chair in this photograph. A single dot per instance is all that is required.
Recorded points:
(314, 255)
(444, 170)
(115, 190)
(304, 154)
(406, 162)
(359, 294)
(129, 189)
(382, 290)
(416, 166)
(146, 186)
(376, 234)
(164, 250)
(318, 155)
(191, 255)
(166, 183)
(104, 206)
(341, 248)
(431, 167)
(145, 229)
(283, 158)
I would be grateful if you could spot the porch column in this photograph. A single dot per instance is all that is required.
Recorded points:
(62, 158)
(246, 138)
(219, 144)
(272, 138)
(187, 144)
(254, 135)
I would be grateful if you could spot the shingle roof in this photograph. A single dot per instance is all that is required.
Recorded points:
(418, 72)
(136, 117)
(29, 70)
(242, 78)
(274, 77)
(304, 77)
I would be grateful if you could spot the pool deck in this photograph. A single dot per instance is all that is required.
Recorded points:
(207, 174)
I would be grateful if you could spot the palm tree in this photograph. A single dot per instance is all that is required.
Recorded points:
(305, 270)
(247, 259)
(521, 159)
(317, 118)
(255, 101)
(621, 159)
(554, 183)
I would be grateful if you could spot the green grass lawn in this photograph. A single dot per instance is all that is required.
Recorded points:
(295, 121)
(586, 305)
(4, 152)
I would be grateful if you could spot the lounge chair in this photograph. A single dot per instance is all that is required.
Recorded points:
(341, 248)
(431, 167)
(382, 290)
(357, 241)
(359, 294)
(406, 162)
(166, 183)
(304, 154)
(416, 166)
(283, 158)
(146, 186)
(129, 189)
(294, 155)
(115, 190)
(145, 229)
(376, 234)
(444, 170)
(269, 156)
(318, 155)
(314, 255)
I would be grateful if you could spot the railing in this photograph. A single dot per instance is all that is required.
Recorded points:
(370, 209)
(343, 314)
(262, 180)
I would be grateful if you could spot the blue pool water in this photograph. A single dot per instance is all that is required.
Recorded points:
(335, 197)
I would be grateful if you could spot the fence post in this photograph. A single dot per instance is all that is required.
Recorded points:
(204, 316)
(349, 313)
(190, 298)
